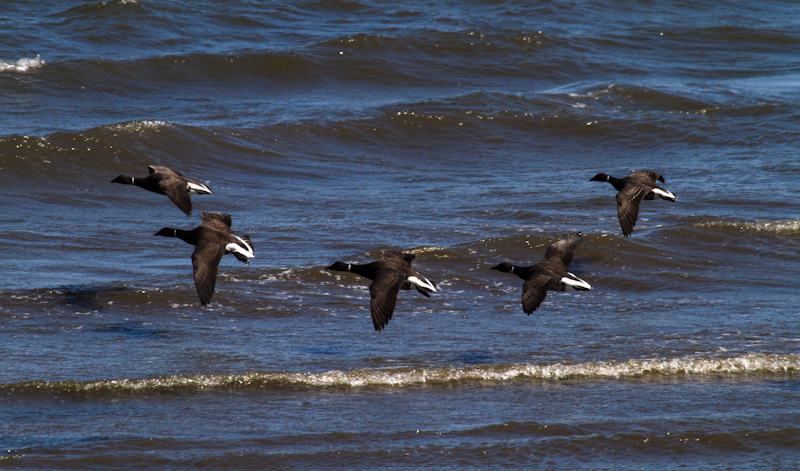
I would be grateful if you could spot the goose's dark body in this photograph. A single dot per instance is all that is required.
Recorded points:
(640, 185)
(212, 239)
(165, 181)
(389, 274)
(548, 275)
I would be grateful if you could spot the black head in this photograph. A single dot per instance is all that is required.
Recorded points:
(504, 267)
(167, 232)
(600, 177)
(339, 266)
(122, 179)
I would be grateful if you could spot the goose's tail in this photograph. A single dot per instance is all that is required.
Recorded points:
(422, 284)
(664, 194)
(573, 283)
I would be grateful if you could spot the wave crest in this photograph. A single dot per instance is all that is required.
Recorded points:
(492, 374)
(26, 64)
(783, 227)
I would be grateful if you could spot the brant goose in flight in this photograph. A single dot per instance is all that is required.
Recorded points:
(549, 274)
(212, 239)
(165, 181)
(641, 184)
(392, 272)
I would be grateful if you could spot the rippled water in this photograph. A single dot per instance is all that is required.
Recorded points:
(465, 133)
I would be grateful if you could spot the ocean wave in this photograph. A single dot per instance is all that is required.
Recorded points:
(599, 110)
(653, 369)
(130, 144)
(782, 227)
(602, 97)
(431, 44)
(758, 36)
(138, 126)
(622, 96)
(26, 64)
(169, 70)
(91, 10)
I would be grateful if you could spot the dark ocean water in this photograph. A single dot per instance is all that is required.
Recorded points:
(463, 132)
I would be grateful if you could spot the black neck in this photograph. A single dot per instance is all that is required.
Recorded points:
(617, 183)
(521, 272)
(186, 236)
(366, 270)
(143, 182)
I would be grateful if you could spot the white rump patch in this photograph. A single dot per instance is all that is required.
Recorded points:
(422, 282)
(242, 251)
(198, 189)
(664, 194)
(573, 283)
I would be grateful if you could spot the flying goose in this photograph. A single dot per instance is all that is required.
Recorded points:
(212, 239)
(389, 274)
(548, 275)
(165, 181)
(641, 184)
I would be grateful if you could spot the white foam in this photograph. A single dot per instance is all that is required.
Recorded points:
(139, 126)
(403, 377)
(787, 226)
(25, 64)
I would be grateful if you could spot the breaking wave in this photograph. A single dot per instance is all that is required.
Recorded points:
(26, 64)
(653, 369)
(782, 227)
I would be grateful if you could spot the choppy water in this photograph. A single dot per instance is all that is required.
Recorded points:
(464, 132)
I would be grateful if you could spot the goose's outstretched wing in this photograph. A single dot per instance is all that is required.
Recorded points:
(205, 261)
(383, 292)
(534, 291)
(628, 201)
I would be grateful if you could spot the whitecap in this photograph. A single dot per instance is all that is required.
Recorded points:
(654, 369)
(787, 226)
(25, 64)
(139, 126)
